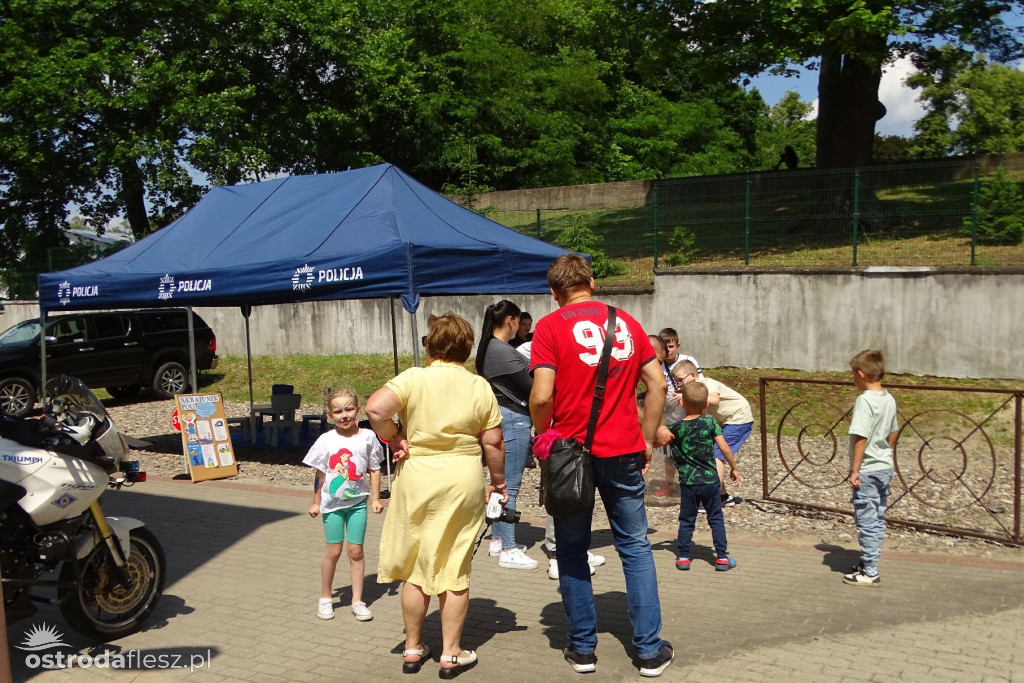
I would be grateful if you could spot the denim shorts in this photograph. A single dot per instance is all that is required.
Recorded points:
(735, 436)
(351, 520)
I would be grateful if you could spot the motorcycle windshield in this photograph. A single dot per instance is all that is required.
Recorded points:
(72, 394)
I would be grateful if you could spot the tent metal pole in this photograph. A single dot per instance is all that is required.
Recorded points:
(415, 342)
(394, 334)
(246, 311)
(192, 351)
(42, 355)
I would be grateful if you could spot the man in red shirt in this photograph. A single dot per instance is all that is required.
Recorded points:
(566, 351)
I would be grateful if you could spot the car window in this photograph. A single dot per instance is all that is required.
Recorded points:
(110, 326)
(20, 334)
(70, 330)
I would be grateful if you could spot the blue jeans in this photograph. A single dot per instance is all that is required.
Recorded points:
(621, 486)
(869, 503)
(710, 497)
(516, 428)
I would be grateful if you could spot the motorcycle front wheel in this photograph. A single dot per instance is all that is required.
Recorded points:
(98, 607)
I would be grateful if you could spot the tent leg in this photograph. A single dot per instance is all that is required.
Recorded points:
(246, 310)
(394, 335)
(415, 342)
(192, 351)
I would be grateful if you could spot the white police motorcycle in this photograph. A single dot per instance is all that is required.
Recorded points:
(110, 571)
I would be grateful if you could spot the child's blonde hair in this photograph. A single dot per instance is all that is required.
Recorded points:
(695, 397)
(341, 392)
(871, 363)
(683, 369)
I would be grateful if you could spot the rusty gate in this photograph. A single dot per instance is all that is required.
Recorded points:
(957, 455)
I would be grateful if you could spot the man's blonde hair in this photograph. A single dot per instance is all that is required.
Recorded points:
(568, 273)
(871, 363)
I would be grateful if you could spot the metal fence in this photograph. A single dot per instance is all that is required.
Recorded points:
(921, 213)
(957, 455)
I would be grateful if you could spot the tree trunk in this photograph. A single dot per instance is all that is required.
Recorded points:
(848, 107)
(133, 194)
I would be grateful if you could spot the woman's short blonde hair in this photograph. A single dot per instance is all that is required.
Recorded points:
(449, 338)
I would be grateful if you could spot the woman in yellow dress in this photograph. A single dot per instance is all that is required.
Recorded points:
(438, 492)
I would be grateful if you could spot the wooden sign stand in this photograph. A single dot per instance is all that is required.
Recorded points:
(205, 436)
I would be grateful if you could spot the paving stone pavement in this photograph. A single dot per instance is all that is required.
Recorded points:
(243, 580)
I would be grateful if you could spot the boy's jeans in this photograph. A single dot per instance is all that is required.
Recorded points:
(869, 503)
(690, 497)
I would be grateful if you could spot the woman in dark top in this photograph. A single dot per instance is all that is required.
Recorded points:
(509, 376)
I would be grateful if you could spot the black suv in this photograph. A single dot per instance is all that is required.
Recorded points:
(122, 351)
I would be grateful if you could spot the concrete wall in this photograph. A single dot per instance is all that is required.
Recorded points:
(929, 321)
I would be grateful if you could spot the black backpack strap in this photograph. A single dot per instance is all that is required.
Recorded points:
(602, 376)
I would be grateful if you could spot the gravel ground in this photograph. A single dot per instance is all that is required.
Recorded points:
(752, 519)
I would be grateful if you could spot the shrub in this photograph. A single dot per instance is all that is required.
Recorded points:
(1000, 211)
(683, 244)
(579, 237)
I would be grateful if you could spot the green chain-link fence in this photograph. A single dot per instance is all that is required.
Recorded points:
(903, 214)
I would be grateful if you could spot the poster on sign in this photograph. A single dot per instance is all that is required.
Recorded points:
(205, 437)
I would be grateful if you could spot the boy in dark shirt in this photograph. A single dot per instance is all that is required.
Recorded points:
(692, 440)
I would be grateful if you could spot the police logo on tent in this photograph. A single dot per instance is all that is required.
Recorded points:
(302, 280)
(167, 287)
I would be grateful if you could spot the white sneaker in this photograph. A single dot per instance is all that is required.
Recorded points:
(494, 549)
(594, 560)
(361, 611)
(514, 558)
(325, 608)
(553, 568)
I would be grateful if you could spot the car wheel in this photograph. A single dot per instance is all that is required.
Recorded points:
(170, 379)
(17, 396)
(124, 393)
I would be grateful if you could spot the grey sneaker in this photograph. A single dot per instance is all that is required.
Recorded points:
(655, 665)
(581, 664)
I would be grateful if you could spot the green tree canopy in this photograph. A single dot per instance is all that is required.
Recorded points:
(848, 42)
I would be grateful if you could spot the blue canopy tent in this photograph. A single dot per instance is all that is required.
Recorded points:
(364, 233)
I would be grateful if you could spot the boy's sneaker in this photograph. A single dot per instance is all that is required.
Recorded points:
(724, 564)
(494, 549)
(514, 558)
(594, 560)
(655, 665)
(581, 664)
(325, 608)
(683, 564)
(728, 501)
(553, 567)
(861, 578)
(361, 611)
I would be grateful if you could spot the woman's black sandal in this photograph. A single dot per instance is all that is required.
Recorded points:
(461, 664)
(414, 667)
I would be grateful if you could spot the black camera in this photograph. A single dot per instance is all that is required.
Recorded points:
(496, 513)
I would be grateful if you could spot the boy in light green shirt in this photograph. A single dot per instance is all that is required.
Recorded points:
(873, 432)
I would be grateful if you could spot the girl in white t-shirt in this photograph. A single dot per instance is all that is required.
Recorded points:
(347, 460)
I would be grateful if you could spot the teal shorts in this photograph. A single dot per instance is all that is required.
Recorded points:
(351, 520)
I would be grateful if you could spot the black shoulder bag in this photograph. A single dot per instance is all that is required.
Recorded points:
(566, 477)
